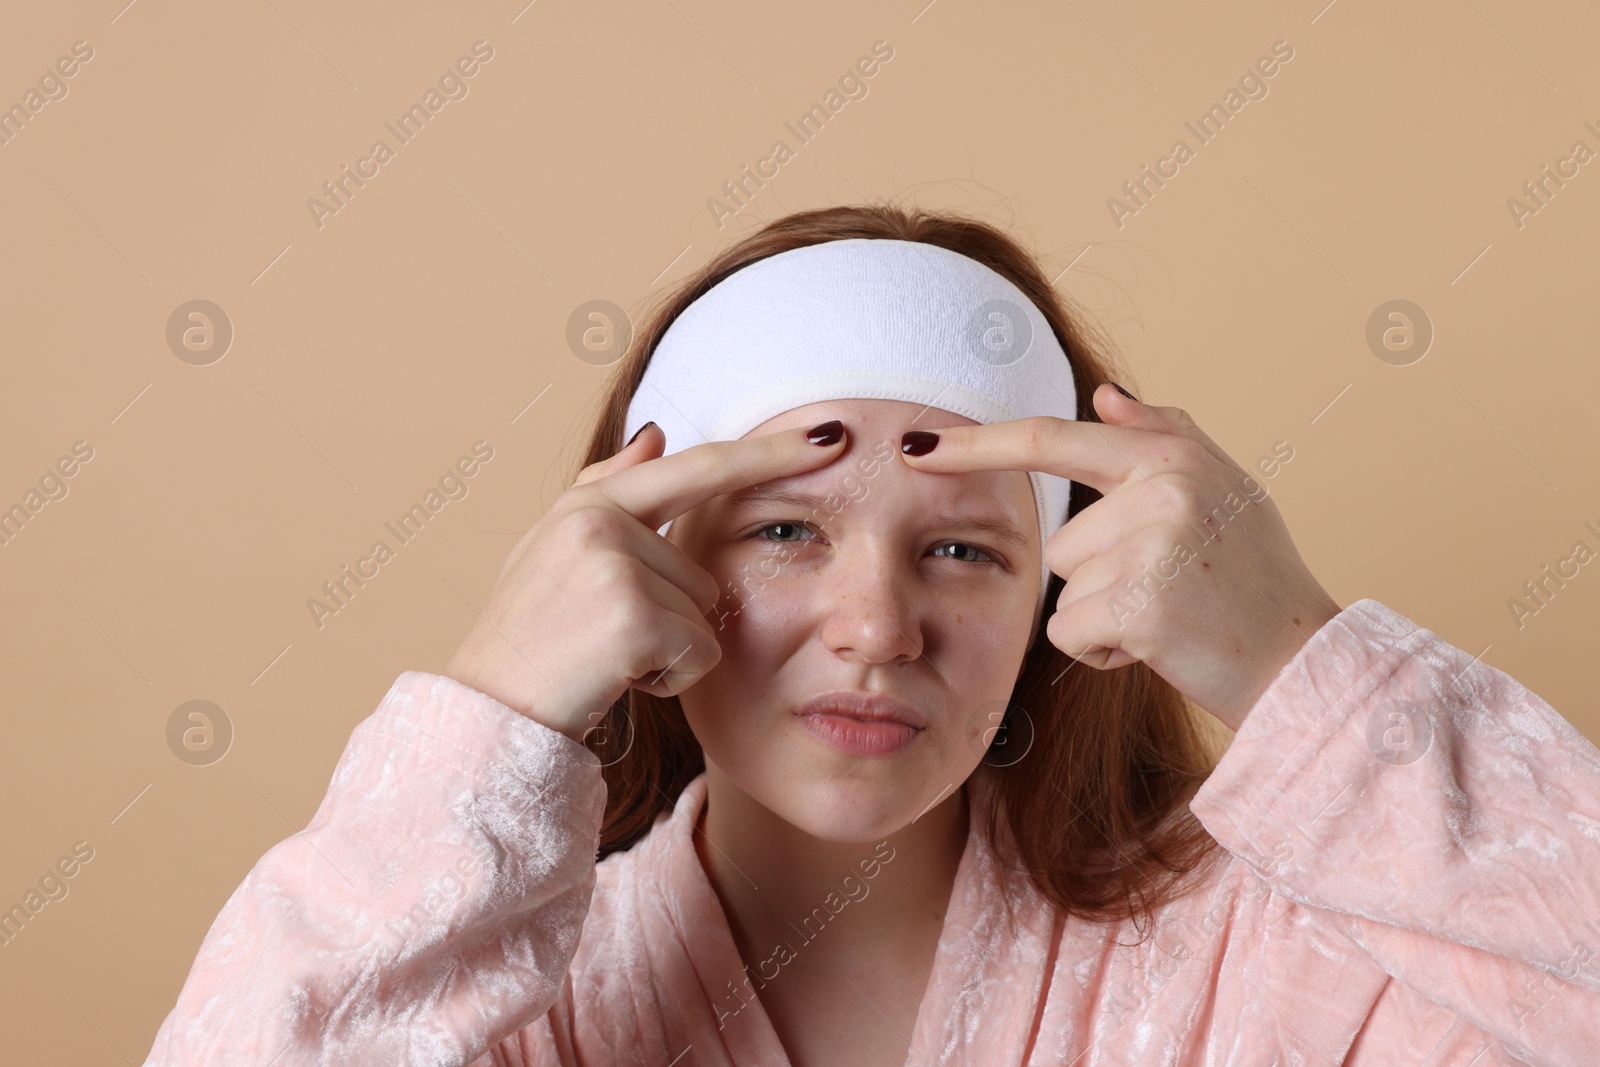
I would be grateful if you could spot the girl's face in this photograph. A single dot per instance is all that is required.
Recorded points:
(870, 578)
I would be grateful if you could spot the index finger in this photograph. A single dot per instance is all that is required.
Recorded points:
(659, 490)
(1093, 453)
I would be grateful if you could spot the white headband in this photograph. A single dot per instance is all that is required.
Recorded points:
(859, 318)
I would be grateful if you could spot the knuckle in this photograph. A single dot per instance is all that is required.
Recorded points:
(1101, 572)
(632, 615)
(638, 662)
(576, 497)
(775, 453)
(602, 599)
(613, 576)
(710, 459)
(700, 465)
(1058, 558)
(1174, 497)
(591, 525)
(1064, 634)
(1151, 545)
(1036, 433)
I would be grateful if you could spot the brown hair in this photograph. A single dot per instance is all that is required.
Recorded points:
(1097, 812)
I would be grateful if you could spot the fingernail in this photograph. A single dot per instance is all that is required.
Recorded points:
(1125, 393)
(825, 434)
(639, 431)
(918, 442)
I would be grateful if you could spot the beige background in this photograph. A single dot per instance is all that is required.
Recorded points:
(370, 353)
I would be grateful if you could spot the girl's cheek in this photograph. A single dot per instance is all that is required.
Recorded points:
(770, 624)
(761, 589)
(758, 625)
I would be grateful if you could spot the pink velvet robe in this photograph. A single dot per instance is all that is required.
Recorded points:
(1374, 907)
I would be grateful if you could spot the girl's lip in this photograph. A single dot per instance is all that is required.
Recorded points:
(866, 707)
(859, 737)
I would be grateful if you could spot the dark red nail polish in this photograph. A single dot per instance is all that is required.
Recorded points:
(825, 434)
(1125, 393)
(918, 442)
(639, 431)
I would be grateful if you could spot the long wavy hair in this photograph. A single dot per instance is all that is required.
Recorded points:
(1096, 813)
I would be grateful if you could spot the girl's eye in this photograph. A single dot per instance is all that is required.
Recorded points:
(974, 548)
(800, 527)
(781, 526)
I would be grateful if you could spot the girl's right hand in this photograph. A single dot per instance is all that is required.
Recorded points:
(593, 601)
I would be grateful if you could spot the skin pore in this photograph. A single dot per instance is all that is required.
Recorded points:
(888, 589)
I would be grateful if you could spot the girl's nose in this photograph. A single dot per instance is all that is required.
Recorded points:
(872, 609)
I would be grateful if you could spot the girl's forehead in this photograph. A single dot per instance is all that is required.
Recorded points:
(875, 427)
(864, 414)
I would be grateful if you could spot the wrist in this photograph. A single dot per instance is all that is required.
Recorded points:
(1304, 623)
(468, 671)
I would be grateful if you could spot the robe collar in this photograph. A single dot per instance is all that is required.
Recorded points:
(985, 991)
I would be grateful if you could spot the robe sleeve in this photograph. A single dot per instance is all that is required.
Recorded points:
(1442, 817)
(428, 912)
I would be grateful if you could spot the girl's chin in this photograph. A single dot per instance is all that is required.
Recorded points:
(848, 829)
(841, 798)
(849, 810)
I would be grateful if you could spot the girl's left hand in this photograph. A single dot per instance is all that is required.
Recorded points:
(1184, 563)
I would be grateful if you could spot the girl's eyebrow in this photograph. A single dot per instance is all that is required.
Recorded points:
(1001, 529)
(758, 496)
